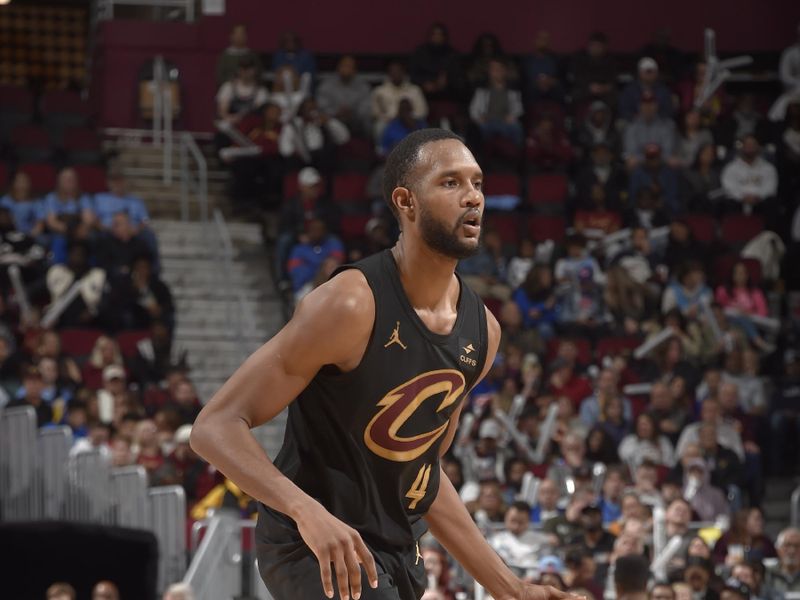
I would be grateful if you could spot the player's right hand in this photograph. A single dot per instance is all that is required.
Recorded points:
(333, 542)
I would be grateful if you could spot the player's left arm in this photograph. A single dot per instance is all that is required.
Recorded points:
(453, 527)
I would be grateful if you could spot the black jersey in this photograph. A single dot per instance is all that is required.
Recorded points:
(366, 443)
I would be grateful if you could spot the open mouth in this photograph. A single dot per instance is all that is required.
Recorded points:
(472, 222)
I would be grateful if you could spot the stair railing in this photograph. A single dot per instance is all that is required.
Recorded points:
(194, 177)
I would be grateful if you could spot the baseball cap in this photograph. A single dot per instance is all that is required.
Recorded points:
(182, 434)
(647, 64)
(113, 372)
(308, 176)
(489, 429)
(551, 564)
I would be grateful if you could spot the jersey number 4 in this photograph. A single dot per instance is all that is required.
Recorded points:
(417, 490)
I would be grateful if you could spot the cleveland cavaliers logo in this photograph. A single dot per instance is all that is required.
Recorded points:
(381, 436)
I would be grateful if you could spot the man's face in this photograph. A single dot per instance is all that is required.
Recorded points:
(648, 110)
(696, 577)
(21, 188)
(68, 183)
(662, 592)
(607, 382)
(346, 68)
(239, 37)
(709, 412)
(548, 494)
(447, 189)
(397, 73)
(789, 551)
(750, 148)
(678, 513)
(316, 231)
(648, 76)
(121, 227)
(744, 574)
(612, 486)
(497, 72)
(591, 520)
(729, 397)
(490, 498)
(517, 521)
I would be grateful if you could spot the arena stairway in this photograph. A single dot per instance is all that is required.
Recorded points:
(206, 302)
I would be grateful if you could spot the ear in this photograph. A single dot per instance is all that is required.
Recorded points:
(403, 200)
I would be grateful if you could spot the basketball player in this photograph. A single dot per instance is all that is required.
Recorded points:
(374, 366)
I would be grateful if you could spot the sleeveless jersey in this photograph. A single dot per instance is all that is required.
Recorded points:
(366, 443)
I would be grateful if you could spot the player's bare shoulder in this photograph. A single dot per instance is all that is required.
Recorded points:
(342, 312)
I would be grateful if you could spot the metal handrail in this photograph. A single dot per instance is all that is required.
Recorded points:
(189, 183)
(105, 8)
(215, 571)
(795, 507)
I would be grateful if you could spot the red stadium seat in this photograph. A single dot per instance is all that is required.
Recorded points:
(353, 227)
(501, 184)
(723, 267)
(547, 227)
(610, 346)
(506, 225)
(740, 229)
(128, 341)
(494, 305)
(442, 109)
(79, 342)
(357, 154)
(63, 102)
(349, 188)
(547, 188)
(92, 178)
(703, 227)
(42, 174)
(290, 185)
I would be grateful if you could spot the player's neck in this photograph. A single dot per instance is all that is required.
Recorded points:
(426, 276)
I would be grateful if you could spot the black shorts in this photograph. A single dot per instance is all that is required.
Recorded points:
(291, 571)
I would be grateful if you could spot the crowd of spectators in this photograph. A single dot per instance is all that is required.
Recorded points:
(648, 373)
(647, 381)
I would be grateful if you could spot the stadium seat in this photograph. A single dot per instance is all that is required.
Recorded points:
(740, 229)
(16, 108)
(42, 174)
(723, 267)
(92, 178)
(352, 227)
(350, 188)
(290, 185)
(547, 227)
(79, 342)
(501, 184)
(31, 142)
(505, 224)
(82, 145)
(703, 227)
(358, 154)
(128, 341)
(609, 346)
(62, 109)
(547, 189)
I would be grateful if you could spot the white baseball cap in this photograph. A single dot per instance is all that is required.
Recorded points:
(647, 64)
(308, 176)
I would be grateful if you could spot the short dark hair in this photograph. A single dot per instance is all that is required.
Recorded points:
(405, 156)
(521, 506)
(631, 574)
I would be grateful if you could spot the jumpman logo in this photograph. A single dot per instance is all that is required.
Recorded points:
(395, 339)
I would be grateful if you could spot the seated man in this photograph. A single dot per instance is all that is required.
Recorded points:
(785, 576)
(648, 128)
(646, 82)
(399, 127)
(520, 547)
(386, 98)
(228, 61)
(66, 203)
(118, 200)
(314, 259)
(749, 180)
(497, 109)
(345, 96)
(311, 136)
(241, 95)
(120, 246)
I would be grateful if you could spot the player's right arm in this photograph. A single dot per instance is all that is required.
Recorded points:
(331, 326)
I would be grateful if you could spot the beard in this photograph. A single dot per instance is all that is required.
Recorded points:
(443, 240)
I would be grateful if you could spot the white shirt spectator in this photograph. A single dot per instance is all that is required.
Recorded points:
(727, 436)
(523, 551)
(386, 99)
(790, 67)
(740, 179)
(633, 450)
(256, 94)
(301, 137)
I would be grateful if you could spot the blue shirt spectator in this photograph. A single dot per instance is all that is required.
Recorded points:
(318, 251)
(400, 126)
(292, 53)
(657, 175)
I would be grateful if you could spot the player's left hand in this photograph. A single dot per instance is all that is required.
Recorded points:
(541, 592)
